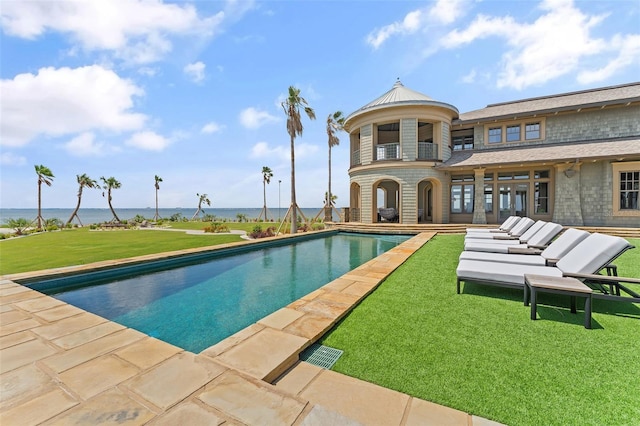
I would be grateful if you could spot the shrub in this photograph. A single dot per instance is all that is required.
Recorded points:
(18, 225)
(259, 233)
(216, 228)
(176, 217)
(318, 226)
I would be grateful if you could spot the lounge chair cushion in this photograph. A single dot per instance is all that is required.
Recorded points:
(506, 225)
(592, 254)
(564, 243)
(490, 247)
(507, 273)
(522, 259)
(545, 234)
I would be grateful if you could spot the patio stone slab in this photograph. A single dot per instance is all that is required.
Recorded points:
(91, 350)
(109, 408)
(298, 377)
(97, 375)
(327, 308)
(348, 396)
(39, 304)
(481, 421)
(87, 335)
(58, 313)
(16, 327)
(281, 318)
(39, 409)
(68, 326)
(190, 414)
(425, 413)
(232, 340)
(175, 379)
(310, 326)
(251, 401)
(320, 416)
(16, 338)
(338, 284)
(12, 315)
(23, 354)
(148, 352)
(23, 384)
(266, 354)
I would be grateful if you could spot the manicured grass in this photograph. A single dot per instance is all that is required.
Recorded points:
(82, 246)
(480, 353)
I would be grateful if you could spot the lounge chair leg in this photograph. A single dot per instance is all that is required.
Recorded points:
(573, 305)
(458, 286)
(587, 312)
(534, 303)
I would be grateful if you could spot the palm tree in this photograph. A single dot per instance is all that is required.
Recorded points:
(111, 183)
(267, 174)
(83, 181)
(202, 199)
(158, 180)
(291, 107)
(45, 175)
(335, 123)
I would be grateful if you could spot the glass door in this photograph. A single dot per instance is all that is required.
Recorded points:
(512, 200)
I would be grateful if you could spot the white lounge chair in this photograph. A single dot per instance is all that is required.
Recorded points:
(538, 241)
(522, 231)
(587, 258)
(548, 257)
(506, 226)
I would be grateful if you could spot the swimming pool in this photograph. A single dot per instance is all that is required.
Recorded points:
(196, 301)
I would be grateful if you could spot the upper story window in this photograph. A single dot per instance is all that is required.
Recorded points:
(461, 140)
(532, 131)
(495, 134)
(513, 133)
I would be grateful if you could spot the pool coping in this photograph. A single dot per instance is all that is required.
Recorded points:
(60, 364)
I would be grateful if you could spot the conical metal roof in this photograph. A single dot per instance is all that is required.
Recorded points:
(401, 95)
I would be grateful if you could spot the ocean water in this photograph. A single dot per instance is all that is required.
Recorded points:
(89, 216)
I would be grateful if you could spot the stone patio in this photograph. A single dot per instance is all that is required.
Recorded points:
(62, 365)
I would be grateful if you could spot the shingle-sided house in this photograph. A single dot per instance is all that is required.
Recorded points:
(573, 158)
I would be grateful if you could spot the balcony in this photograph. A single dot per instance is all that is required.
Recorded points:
(427, 151)
(388, 151)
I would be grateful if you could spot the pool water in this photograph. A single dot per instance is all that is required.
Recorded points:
(197, 305)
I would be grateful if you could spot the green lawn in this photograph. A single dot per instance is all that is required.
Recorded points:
(480, 353)
(81, 246)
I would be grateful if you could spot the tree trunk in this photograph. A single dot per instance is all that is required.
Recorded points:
(39, 203)
(75, 212)
(294, 205)
(329, 191)
(115, 216)
(156, 217)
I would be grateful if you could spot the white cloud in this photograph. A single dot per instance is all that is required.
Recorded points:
(148, 141)
(628, 49)
(10, 159)
(442, 12)
(557, 43)
(147, 71)
(253, 118)
(212, 127)
(470, 77)
(282, 152)
(195, 71)
(85, 145)
(135, 30)
(63, 101)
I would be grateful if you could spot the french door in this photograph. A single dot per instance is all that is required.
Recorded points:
(512, 200)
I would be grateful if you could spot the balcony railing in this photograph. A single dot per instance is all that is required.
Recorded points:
(388, 151)
(355, 158)
(427, 151)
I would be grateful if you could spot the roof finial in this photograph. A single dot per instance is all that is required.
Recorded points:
(397, 83)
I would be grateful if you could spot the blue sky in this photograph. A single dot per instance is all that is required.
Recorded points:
(191, 91)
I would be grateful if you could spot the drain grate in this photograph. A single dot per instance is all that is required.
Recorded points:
(322, 356)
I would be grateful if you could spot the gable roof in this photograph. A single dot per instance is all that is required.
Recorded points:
(613, 95)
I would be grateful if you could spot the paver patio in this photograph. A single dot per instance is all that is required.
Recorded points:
(62, 365)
